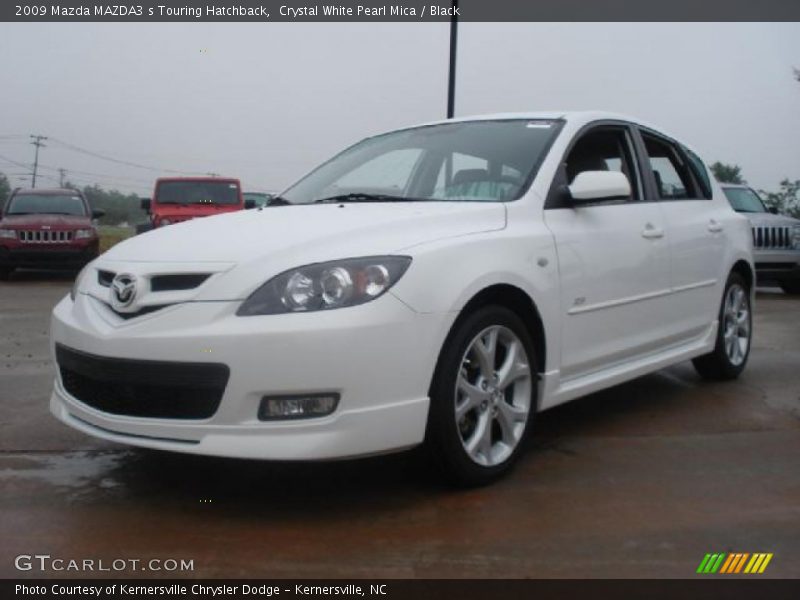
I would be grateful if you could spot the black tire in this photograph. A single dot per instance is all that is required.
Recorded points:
(443, 439)
(143, 227)
(717, 365)
(5, 273)
(791, 287)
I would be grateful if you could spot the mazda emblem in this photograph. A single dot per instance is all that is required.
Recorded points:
(123, 291)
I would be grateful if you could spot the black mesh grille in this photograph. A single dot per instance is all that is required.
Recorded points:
(182, 281)
(143, 388)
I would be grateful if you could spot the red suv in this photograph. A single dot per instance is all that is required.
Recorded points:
(179, 199)
(47, 229)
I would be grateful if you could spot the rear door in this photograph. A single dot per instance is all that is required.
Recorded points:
(696, 233)
(613, 258)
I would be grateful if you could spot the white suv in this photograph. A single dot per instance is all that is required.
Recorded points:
(436, 284)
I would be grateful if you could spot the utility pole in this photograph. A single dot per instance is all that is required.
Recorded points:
(451, 84)
(37, 141)
(62, 173)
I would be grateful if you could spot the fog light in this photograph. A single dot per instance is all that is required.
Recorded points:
(302, 406)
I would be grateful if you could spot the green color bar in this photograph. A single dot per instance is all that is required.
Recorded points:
(703, 563)
(718, 563)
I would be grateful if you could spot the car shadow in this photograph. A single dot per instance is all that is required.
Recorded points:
(42, 275)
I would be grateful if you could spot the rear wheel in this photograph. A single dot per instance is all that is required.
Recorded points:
(791, 287)
(483, 397)
(734, 334)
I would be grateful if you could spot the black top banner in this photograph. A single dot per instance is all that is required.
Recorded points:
(401, 10)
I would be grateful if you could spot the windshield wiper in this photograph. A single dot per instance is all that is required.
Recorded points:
(277, 201)
(362, 197)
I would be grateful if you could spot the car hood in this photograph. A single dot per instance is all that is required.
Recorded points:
(769, 220)
(246, 248)
(37, 221)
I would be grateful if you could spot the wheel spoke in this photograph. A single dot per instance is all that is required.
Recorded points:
(485, 351)
(508, 416)
(514, 366)
(480, 441)
(472, 397)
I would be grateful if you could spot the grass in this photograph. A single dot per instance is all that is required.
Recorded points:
(110, 235)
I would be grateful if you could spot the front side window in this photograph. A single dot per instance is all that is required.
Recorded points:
(197, 192)
(744, 200)
(46, 204)
(603, 149)
(672, 176)
(473, 161)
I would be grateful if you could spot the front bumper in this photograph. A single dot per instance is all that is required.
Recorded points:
(46, 257)
(378, 356)
(777, 265)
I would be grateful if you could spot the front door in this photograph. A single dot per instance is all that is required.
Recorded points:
(613, 259)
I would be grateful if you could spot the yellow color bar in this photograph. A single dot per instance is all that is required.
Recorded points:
(757, 558)
(765, 563)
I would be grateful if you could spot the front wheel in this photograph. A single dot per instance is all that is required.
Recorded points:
(483, 397)
(734, 334)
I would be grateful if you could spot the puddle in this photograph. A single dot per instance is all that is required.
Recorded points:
(73, 470)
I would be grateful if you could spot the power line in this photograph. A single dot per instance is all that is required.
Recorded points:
(75, 148)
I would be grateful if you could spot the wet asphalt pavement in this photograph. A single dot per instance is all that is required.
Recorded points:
(641, 480)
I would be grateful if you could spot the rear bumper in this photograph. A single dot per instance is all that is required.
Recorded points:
(48, 257)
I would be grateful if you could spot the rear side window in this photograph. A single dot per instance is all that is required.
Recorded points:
(672, 174)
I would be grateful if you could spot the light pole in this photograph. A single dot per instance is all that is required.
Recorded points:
(451, 83)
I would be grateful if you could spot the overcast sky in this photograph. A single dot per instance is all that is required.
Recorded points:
(267, 102)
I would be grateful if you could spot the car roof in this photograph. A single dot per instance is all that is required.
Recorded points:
(47, 191)
(220, 179)
(579, 117)
(576, 117)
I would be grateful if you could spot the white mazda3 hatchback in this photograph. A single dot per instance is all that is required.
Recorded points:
(439, 284)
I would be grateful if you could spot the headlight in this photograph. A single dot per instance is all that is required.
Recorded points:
(796, 237)
(83, 234)
(77, 283)
(324, 286)
(8, 234)
(164, 222)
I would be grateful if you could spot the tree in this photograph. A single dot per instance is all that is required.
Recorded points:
(727, 173)
(786, 200)
(119, 207)
(5, 190)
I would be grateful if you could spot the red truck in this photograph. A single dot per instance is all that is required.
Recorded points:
(177, 199)
(47, 228)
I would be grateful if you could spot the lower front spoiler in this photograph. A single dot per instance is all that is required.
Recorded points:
(375, 430)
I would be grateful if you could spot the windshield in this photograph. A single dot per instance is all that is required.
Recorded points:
(744, 200)
(475, 161)
(197, 192)
(46, 204)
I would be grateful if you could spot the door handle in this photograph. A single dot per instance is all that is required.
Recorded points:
(714, 227)
(651, 232)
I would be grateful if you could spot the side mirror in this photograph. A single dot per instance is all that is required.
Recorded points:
(98, 213)
(249, 204)
(145, 204)
(589, 186)
(773, 210)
